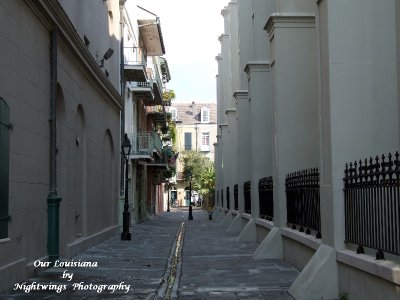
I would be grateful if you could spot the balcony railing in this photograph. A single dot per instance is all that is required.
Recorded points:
(133, 56)
(303, 201)
(146, 143)
(134, 64)
(141, 84)
(372, 204)
(266, 198)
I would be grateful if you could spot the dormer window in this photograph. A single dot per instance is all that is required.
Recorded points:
(205, 115)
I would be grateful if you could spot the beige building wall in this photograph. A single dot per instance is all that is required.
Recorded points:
(88, 108)
(188, 120)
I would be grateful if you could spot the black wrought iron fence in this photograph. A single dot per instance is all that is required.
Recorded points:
(247, 197)
(303, 201)
(228, 198)
(372, 204)
(266, 198)
(235, 196)
(222, 198)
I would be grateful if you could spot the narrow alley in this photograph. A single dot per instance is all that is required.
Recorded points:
(210, 264)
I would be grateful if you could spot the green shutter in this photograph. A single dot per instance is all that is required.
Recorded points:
(4, 166)
(188, 141)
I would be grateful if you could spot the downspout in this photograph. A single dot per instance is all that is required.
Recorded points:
(53, 201)
(122, 66)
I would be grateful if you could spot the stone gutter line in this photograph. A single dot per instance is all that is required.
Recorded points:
(169, 284)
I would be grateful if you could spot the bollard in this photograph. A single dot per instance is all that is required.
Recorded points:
(190, 213)
(210, 215)
(53, 227)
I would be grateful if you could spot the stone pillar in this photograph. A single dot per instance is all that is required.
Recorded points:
(225, 160)
(359, 96)
(294, 101)
(243, 145)
(232, 154)
(216, 168)
(246, 42)
(260, 116)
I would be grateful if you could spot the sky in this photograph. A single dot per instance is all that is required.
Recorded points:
(190, 30)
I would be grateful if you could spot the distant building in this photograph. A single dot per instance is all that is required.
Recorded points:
(145, 75)
(196, 130)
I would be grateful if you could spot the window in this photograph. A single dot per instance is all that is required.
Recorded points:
(205, 141)
(205, 115)
(4, 167)
(188, 141)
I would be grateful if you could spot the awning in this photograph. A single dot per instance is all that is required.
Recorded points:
(150, 33)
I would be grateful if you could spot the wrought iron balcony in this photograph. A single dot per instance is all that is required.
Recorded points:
(143, 89)
(134, 64)
(146, 145)
(157, 113)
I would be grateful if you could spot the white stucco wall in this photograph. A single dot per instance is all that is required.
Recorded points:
(359, 89)
(295, 106)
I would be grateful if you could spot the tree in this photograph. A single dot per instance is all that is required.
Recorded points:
(168, 96)
(202, 170)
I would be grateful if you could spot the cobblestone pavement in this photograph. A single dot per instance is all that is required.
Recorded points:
(168, 257)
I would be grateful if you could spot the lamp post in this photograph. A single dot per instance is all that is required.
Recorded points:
(190, 195)
(168, 210)
(126, 150)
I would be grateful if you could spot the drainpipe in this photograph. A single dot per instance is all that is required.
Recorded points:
(123, 84)
(53, 201)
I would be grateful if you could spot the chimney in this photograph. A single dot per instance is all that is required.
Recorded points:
(193, 110)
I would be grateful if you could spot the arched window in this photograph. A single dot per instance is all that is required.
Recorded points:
(205, 115)
(5, 127)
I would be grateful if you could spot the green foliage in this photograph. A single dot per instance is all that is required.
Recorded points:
(169, 95)
(168, 154)
(343, 296)
(202, 170)
(172, 132)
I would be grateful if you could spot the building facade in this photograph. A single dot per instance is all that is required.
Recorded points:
(308, 112)
(60, 99)
(145, 75)
(196, 130)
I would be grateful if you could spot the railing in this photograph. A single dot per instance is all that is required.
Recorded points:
(372, 204)
(266, 198)
(142, 84)
(158, 79)
(134, 56)
(247, 197)
(235, 196)
(154, 108)
(303, 201)
(145, 143)
(228, 197)
(222, 198)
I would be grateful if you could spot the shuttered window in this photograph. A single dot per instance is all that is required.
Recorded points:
(4, 166)
(188, 141)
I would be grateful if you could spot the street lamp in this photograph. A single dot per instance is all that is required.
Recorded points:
(126, 150)
(168, 210)
(190, 195)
